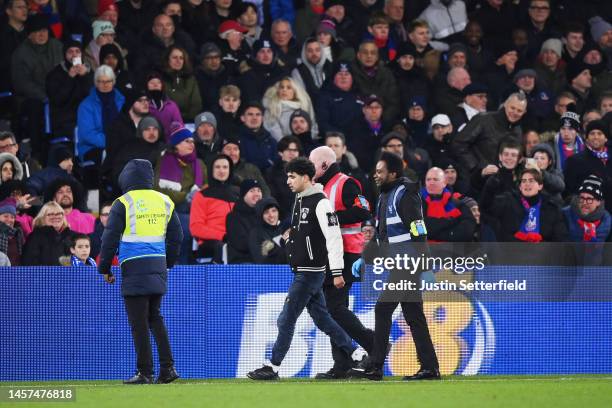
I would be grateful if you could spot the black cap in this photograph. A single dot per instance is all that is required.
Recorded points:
(390, 136)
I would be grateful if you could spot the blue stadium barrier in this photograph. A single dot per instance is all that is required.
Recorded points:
(66, 323)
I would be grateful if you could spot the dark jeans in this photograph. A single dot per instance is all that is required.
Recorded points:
(413, 313)
(143, 315)
(306, 292)
(338, 305)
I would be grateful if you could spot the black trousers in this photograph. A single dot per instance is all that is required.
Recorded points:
(413, 313)
(337, 301)
(144, 315)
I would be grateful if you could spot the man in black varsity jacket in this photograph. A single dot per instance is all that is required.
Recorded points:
(314, 241)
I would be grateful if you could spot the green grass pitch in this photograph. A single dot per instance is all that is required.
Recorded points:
(576, 391)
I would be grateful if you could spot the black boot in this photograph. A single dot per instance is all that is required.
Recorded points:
(167, 376)
(139, 378)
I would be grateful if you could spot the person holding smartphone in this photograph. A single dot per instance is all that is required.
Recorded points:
(67, 85)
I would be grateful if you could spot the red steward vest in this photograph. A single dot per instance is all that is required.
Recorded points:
(352, 237)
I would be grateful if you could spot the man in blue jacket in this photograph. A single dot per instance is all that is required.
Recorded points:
(144, 227)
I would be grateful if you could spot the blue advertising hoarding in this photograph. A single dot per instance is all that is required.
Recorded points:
(66, 323)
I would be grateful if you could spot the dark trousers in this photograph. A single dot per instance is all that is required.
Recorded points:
(306, 292)
(413, 313)
(144, 315)
(32, 112)
(338, 305)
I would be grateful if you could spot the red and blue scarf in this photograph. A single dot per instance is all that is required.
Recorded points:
(529, 231)
(442, 207)
(565, 152)
(589, 230)
(601, 155)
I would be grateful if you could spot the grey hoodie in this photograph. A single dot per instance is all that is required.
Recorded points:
(554, 182)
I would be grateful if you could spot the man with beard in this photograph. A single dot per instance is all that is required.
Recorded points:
(211, 75)
(586, 217)
(301, 125)
(64, 193)
(400, 225)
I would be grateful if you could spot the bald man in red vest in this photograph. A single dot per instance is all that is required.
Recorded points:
(346, 196)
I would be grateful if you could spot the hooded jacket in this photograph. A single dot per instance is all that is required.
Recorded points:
(145, 275)
(258, 147)
(554, 184)
(30, 64)
(210, 207)
(239, 223)
(17, 167)
(445, 20)
(310, 76)
(265, 239)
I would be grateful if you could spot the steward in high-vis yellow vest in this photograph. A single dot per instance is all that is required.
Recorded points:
(143, 227)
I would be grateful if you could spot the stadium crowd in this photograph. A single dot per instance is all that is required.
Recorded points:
(500, 108)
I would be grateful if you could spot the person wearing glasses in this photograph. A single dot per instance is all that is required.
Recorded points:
(96, 236)
(586, 217)
(50, 238)
(526, 215)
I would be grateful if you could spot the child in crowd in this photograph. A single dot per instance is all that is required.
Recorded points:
(80, 246)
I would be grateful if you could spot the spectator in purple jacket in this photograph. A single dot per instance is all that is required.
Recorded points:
(162, 108)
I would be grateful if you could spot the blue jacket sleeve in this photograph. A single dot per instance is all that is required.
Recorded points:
(90, 129)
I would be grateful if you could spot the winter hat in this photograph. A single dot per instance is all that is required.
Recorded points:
(72, 44)
(327, 4)
(8, 205)
(261, 43)
(147, 122)
(111, 49)
(570, 118)
(102, 27)
(230, 140)
(247, 185)
(417, 100)
(391, 136)
(574, 69)
(301, 113)
(406, 48)
(597, 125)
(178, 133)
(599, 27)
(543, 147)
(525, 72)
(209, 48)
(341, 66)
(105, 5)
(371, 99)
(552, 44)
(132, 96)
(36, 22)
(592, 185)
(457, 47)
(327, 26)
(205, 117)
